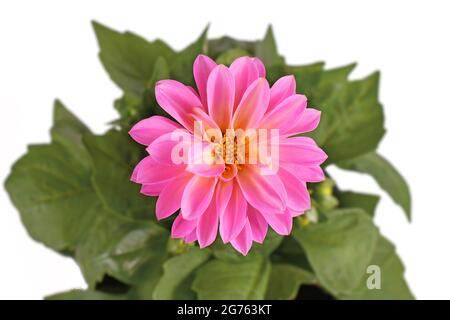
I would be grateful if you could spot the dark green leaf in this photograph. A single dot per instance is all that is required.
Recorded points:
(217, 47)
(285, 280)
(386, 175)
(244, 280)
(365, 201)
(340, 249)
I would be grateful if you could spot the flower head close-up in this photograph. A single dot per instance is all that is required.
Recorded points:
(232, 160)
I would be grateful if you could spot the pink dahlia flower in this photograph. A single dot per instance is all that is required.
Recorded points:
(240, 184)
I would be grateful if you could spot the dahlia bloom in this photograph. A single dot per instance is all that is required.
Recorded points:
(227, 191)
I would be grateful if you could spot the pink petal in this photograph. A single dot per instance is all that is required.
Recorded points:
(149, 171)
(190, 238)
(177, 100)
(203, 65)
(153, 189)
(306, 173)
(207, 226)
(223, 195)
(203, 162)
(264, 192)
(301, 150)
(308, 121)
(147, 130)
(252, 106)
(182, 227)
(245, 72)
(221, 96)
(281, 89)
(169, 200)
(295, 213)
(205, 125)
(197, 196)
(297, 194)
(281, 223)
(206, 170)
(258, 224)
(243, 242)
(234, 217)
(161, 148)
(260, 67)
(281, 116)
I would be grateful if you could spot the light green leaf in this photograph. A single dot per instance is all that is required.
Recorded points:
(285, 281)
(78, 294)
(365, 201)
(387, 177)
(340, 249)
(53, 194)
(266, 49)
(393, 284)
(114, 156)
(178, 275)
(242, 280)
(129, 59)
(229, 56)
(118, 246)
(67, 130)
(50, 185)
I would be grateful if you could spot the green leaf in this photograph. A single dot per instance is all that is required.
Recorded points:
(307, 78)
(181, 65)
(266, 49)
(393, 284)
(67, 131)
(114, 156)
(178, 275)
(129, 59)
(290, 252)
(387, 177)
(217, 47)
(229, 56)
(221, 280)
(352, 118)
(50, 185)
(227, 252)
(78, 294)
(119, 247)
(285, 281)
(365, 201)
(53, 194)
(340, 249)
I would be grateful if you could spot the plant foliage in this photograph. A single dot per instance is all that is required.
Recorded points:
(74, 194)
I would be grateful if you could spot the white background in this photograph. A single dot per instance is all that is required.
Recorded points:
(48, 50)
